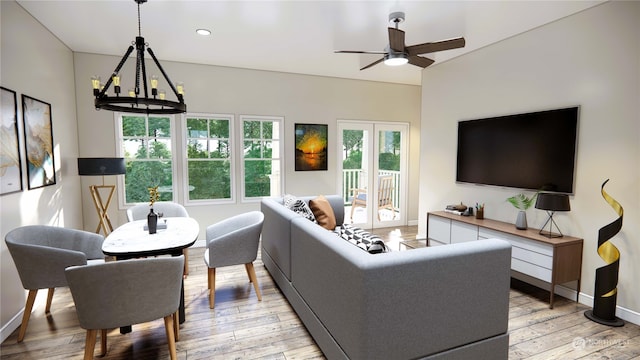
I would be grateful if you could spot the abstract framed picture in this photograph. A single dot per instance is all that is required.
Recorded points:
(311, 147)
(38, 142)
(10, 163)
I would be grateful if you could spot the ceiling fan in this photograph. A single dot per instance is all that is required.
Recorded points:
(396, 53)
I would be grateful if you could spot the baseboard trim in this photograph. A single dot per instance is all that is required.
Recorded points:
(11, 326)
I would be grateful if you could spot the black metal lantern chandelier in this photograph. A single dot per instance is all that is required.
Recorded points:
(135, 101)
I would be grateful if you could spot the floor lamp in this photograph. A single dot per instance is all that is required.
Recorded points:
(552, 202)
(102, 167)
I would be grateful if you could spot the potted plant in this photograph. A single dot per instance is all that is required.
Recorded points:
(522, 203)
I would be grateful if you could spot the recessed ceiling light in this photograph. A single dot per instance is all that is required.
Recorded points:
(204, 32)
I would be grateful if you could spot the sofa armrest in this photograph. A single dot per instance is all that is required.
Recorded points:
(402, 304)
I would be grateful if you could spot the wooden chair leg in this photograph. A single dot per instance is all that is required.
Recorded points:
(90, 344)
(103, 342)
(169, 329)
(47, 308)
(176, 326)
(212, 286)
(31, 298)
(252, 277)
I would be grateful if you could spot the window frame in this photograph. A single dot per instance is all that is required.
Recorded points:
(122, 199)
(276, 119)
(232, 158)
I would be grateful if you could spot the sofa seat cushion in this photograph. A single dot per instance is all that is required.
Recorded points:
(299, 206)
(323, 212)
(362, 239)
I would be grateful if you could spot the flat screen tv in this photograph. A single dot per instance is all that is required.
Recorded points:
(533, 151)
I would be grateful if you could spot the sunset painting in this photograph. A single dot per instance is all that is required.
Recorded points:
(311, 147)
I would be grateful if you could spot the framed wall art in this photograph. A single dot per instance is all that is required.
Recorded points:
(311, 147)
(38, 142)
(10, 163)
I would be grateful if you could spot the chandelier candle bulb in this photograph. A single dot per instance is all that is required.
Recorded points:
(154, 85)
(116, 84)
(132, 93)
(95, 83)
(162, 94)
(180, 88)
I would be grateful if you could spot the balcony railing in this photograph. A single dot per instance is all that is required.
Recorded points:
(356, 179)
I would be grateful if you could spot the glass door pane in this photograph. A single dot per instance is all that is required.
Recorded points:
(355, 172)
(388, 177)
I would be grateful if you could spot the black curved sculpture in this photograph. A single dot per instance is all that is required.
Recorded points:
(606, 291)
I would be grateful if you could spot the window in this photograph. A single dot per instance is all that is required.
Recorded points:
(208, 153)
(209, 157)
(146, 145)
(262, 156)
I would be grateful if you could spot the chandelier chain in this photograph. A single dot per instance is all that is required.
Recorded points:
(139, 22)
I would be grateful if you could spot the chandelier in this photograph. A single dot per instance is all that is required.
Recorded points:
(138, 101)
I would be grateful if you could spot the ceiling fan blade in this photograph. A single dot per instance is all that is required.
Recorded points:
(423, 62)
(396, 39)
(359, 52)
(373, 63)
(436, 46)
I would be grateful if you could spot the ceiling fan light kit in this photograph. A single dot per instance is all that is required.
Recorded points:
(395, 59)
(136, 102)
(397, 53)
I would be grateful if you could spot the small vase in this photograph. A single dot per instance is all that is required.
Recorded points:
(152, 221)
(521, 220)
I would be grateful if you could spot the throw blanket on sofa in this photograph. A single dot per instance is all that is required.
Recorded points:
(362, 239)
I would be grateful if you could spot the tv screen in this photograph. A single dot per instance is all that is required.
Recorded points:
(534, 151)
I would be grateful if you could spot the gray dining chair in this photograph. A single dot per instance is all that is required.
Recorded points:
(167, 209)
(127, 292)
(233, 241)
(41, 253)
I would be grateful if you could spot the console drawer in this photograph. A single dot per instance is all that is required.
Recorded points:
(531, 269)
(529, 245)
(439, 229)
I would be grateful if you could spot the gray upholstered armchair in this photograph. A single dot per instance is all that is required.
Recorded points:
(41, 253)
(127, 292)
(233, 241)
(167, 209)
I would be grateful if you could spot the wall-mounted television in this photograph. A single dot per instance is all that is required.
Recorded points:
(533, 151)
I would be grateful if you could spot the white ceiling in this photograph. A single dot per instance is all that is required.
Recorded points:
(291, 36)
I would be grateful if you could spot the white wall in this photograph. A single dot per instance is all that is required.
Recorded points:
(591, 59)
(35, 63)
(214, 89)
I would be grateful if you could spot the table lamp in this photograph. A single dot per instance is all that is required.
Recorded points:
(552, 202)
(102, 167)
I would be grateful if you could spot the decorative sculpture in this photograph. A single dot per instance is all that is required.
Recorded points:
(606, 291)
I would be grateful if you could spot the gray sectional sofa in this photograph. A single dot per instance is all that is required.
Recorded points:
(446, 302)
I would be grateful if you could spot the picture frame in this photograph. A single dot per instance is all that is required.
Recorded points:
(311, 147)
(10, 159)
(38, 142)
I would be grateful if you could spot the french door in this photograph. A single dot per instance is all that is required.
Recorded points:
(372, 162)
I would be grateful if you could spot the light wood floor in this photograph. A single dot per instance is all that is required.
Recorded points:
(240, 327)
